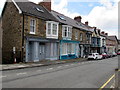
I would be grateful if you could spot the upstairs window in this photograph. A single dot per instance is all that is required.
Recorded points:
(32, 26)
(81, 37)
(49, 28)
(52, 29)
(67, 31)
(76, 35)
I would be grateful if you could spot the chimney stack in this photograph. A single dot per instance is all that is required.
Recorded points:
(78, 18)
(106, 34)
(103, 32)
(86, 23)
(46, 4)
(99, 31)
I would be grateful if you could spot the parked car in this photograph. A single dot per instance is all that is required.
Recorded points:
(104, 55)
(114, 54)
(118, 53)
(109, 55)
(94, 56)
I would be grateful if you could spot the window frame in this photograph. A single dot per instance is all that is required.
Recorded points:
(51, 30)
(33, 26)
(69, 31)
(76, 35)
(81, 35)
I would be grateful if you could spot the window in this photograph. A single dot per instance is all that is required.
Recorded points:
(32, 26)
(62, 18)
(81, 37)
(49, 28)
(67, 31)
(64, 49)
(40, 10)
(52, 29)
(68, 48)
(76, 35)
(73, 49)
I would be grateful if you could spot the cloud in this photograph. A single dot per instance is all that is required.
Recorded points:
(62, 8)
(105, 17)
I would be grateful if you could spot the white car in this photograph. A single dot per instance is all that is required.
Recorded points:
(94, 56)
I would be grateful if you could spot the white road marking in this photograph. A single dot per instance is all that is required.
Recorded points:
(3, 76)
(21, 73)
(66, 65)
(59, 66)
(39, 70)
(49, 68)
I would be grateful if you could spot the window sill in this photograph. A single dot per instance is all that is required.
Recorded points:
(32, 32)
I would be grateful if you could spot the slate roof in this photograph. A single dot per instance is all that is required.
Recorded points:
(30, 8)
(112, 38)
(69, 21)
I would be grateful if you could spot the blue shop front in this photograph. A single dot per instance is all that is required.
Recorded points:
(69, 49)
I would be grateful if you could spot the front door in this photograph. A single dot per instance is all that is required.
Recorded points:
(42, 52)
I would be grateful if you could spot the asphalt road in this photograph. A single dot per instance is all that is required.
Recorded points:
(88, 74)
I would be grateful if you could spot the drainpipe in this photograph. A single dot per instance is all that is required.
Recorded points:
(22, 52)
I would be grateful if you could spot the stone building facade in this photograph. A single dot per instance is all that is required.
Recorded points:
(111, 44)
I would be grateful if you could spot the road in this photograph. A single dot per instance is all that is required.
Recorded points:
(88, 74)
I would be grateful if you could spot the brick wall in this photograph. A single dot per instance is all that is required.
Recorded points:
(12, 32)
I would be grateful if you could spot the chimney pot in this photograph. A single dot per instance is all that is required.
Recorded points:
(86, 23)
(99, 31)
(106, 34)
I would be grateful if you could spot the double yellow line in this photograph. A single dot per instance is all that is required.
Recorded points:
(108, 81)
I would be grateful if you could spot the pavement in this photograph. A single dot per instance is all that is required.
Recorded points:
(5, 67)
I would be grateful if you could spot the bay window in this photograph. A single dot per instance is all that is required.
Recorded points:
(52, 29)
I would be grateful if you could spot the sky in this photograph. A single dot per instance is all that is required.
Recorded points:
(102, 14)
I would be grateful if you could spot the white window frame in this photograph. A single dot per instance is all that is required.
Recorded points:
(69, 30)
(51, 35)
(64, 46)
(34, 25)
(76, 35)
(81, 35)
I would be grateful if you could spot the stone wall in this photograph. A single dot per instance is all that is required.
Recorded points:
(40, 27)
(12, 32)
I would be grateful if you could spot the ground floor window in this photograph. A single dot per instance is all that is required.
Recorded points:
(68, 48)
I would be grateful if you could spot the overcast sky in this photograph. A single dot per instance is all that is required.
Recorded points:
(100, 13)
